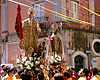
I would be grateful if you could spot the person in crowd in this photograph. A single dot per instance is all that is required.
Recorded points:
(30, 75)
(58, 76)
(63, 66)
(82, 75)
(91, 72)
(4, 74)
(46, 73)
(10, 75)
(95, 74)
(18, 75)
(67, 76)
(1, 73)
(51, 76)
(15, 71)
(35, 75)
(54, 67)
(23, 76)
(74, 76)
(41, 76)
(89, 75)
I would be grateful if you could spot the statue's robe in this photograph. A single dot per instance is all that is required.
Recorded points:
(30, 36)
(58, 43)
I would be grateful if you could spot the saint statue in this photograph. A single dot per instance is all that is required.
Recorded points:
(30, 29)
(57, 40)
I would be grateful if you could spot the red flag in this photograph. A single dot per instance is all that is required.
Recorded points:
(18, 24)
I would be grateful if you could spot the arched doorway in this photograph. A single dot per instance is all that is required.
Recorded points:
(83, 55)
(79, 62)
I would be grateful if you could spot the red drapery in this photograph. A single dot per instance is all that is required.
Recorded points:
(18, 24)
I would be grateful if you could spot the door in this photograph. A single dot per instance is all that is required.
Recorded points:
(79, 62)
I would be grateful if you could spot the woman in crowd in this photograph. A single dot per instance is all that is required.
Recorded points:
(51, 76)
(10, 75)
(82, 75)
(95, 74)
(67, 76)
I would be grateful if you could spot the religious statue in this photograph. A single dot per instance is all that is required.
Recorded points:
(57, 40)
(30, 29)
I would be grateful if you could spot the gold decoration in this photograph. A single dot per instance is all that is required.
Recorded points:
(55, 26)
(29, 51)
(30, 36)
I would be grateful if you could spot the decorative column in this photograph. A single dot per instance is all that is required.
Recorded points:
(4, 27)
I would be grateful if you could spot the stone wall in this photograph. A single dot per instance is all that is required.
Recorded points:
(84, 39)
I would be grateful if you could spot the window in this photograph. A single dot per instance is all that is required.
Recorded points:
(96, 46)
(74, 9)
(39, 11)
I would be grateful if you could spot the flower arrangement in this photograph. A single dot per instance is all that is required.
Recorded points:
(28, 62)
(54, 59)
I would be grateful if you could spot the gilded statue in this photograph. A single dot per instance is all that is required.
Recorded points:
(30, 34)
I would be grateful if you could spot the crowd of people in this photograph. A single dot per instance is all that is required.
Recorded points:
(54, 72)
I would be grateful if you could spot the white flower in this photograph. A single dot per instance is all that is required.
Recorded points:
(37, 62)
(58, 58)
(38, 58)
(28, 67)
(55, 61)
(52, 58)
(55, 55)
(35, 54)
(41, 66)
(36, 68)
(21, 66)
(27, 62)
(51, 61)
(30, 58)
(34, 58)
(24, 59)
(32, 64)
(18, 61)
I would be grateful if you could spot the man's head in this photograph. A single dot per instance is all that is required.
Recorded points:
(15, 70)
(10, 72)
(95, 71)
(66, 74)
